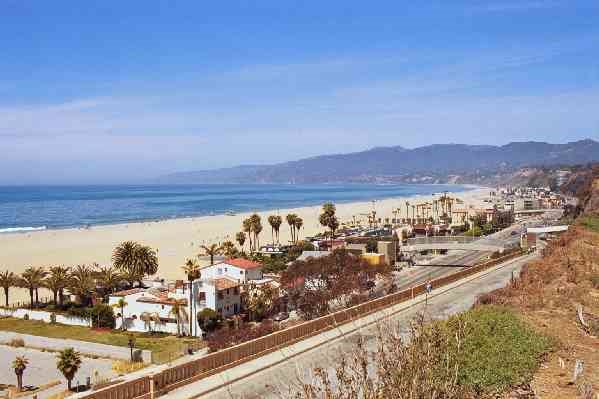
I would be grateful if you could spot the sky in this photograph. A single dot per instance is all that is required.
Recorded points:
(114, 92)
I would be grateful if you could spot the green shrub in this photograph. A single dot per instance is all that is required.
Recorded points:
(591, 222)
(26, 316)
(499, 350)
(53, 318)
(101, 315)
(208, 320)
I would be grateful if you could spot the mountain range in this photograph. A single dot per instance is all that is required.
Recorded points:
(438, 163)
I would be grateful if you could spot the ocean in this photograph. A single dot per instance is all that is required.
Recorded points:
(31, 208)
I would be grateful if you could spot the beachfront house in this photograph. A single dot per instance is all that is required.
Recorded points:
(152, 309)
(242, 270)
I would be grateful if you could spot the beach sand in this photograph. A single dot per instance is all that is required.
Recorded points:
(176, 239)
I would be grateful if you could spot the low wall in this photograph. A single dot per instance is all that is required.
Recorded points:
(141, 326)
(186, 373)
(42, 315)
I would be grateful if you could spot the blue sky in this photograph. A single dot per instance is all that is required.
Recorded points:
(125, 91)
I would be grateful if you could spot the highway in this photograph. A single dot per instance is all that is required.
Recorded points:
(268, 379)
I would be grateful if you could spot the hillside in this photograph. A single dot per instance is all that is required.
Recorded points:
(439, 163)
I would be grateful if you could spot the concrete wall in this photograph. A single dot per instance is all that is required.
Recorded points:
(42, 315)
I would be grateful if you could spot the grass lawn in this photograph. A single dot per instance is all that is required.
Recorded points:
(155, 343)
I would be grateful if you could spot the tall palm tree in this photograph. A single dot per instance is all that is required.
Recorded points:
(291, 222)
(299, 222)
(275, 222)
(32, 279)
(19, 365)
(240, 238)
(256, 223)
(136, 259)
(178, 310)
(192, 270)
(211, 250)
(120, 304)
(82, 283)
(109, 278)
(68, 361)
(7, 281)
(328, 219)
(56, 281)
(247, 230)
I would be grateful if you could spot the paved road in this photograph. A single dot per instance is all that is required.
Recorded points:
(275, 382)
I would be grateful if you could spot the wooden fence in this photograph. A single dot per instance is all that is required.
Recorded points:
(175, 377)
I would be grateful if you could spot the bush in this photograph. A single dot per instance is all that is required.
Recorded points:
(231, 337)
(209, 320)
(101, 316)
(26, 316)
(371, 245)
(52, 318)
(17, 342)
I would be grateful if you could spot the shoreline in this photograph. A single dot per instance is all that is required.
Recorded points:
(32, 229)
(175, 239)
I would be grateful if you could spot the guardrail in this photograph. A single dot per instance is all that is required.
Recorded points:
(148, 387)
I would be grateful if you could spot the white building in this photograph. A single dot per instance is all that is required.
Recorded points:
(238, 269)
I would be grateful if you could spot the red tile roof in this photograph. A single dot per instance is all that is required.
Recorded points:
(224, 283)
(128, 292)
(243, 263)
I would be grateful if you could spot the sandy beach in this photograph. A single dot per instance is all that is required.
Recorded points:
(175, 239)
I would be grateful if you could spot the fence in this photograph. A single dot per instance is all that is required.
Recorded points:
(175, 377)
(42, 315)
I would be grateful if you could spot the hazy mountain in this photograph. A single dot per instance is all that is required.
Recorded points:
(459, 163)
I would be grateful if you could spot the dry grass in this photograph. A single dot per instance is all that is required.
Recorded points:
(547, 294)
(122, 367)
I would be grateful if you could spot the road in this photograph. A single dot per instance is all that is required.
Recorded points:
(276, 381)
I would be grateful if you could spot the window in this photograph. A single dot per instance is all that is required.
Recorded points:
(219, 310)
(235, 309)
(227, 291)
(219, 271)
(241, 272)
(202, 296)
(225, 269)
(220, 295)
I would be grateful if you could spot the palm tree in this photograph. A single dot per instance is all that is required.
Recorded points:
(275, 222)
(19, 365)
(240, 238)
(211, 250)
(247, 229)
(255, 228)
(192, 270)
(299, 222)
(291, 222)
(228, 249)
(32, 279)
(7, 281)
(121, 303)
(109, 278)
(82, 283)
(56, 281)
(178, 310)
(135, 259)
(68, 361)
(328, 219)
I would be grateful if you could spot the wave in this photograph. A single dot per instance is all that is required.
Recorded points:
(21, 229)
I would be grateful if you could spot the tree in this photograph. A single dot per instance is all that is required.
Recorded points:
(211, 250)
(328, 219)
(240, 238)
(291, 222)
(82, 283)
(228, 249)
(109, 278)
(208, 320)
(136, 259)
(102, 316)
(256, 224)
(19, 365)
(32, 279)
(56, 281)
(131, 344)
(298, 223)
(178, 310)
(371, 245)
(275, 222)
(68, 361)
(260, 300)
(121, 303)
(192, 270)
(7, 281)
(247, 230)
